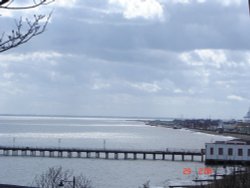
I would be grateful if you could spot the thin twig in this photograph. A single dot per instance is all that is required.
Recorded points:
(34, 5)
(18, 36)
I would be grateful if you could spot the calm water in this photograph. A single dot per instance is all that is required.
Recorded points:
(93, 133)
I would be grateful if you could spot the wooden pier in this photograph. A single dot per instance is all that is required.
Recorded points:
(125, 154)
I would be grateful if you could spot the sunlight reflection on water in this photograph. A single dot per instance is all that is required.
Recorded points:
(91, 133)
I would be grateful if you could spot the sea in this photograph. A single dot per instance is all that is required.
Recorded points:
(100, 132)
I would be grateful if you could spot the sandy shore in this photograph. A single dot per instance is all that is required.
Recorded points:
(239, 136)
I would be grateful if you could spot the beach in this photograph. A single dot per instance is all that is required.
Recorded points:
(236, 135)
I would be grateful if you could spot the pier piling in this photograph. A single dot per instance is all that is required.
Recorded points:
(116, 156)
(69, 154)
(135, 156)
(51, 154)
(154, 156)
(106, 155)
(163, 156)
(173, 157)
(42, 154)
(97, 155)
(24, 153)
(33, 153)
(60, 154)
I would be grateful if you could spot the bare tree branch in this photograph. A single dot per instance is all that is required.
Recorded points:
(249, 6)
(7, 4)
(24, 30)
(52, 177)
(18, 36)
(4, 2)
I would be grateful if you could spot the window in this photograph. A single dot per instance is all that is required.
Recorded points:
(230, 151)
(211, 151)
(240, 152)
(220, 151)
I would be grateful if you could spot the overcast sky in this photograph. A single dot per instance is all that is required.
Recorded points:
(157, 58)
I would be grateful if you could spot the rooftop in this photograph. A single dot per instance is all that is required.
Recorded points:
(234, 141)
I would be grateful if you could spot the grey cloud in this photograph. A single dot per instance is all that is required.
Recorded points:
(105, 64)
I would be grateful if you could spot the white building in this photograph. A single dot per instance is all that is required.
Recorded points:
(223, 152)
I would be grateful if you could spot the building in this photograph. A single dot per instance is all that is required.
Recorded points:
(243, 128)
(235, 151)
(247, 116)
(229, 126)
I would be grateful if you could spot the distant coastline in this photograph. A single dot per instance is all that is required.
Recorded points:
(174, 125)
(236, 135)
(137, 118)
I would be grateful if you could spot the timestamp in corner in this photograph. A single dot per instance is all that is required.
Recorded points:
(200, 171)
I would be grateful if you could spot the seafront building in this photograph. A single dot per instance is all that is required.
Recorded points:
(235, 151)
(247, 116)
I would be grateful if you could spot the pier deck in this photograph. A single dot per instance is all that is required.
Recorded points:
(99, 153)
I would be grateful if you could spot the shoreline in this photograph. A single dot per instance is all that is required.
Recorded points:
(235, 135)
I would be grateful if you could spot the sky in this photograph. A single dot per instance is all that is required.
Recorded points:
(140, 58)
